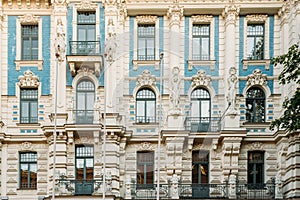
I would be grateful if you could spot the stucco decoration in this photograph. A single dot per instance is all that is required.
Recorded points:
(146, 146)
(175, 13)
(1, 17)
(199, 19)
(26, 146)
(60, 44)
(174, 88)
(200, 79)
(146, 19)
(111, 41)
(29, 19)
(257, 78)
(256, 18)
(29, 80)
(146, 79)
(86, 5)
(256, 146)
(232, 86)
(231, 13)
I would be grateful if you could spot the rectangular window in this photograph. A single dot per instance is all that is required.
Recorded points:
(145, 167)
(255, 41)
(201, 41)
(30, 42)
(28, 170)
(256, 168)
(86, 25)
(29, 106)
(146, 42)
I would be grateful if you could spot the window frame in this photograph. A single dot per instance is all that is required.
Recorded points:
(28, 19)
(29, 102)
(29, 166)
(88, 114)
(201, 37)
(253, 102)
(146, 182)
(85, 156)
(32, 36)
(145, 117)
(145, 38)
(256, 184)
(256, 36)
(200, 163)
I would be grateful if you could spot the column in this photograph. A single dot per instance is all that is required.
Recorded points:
(230, 14)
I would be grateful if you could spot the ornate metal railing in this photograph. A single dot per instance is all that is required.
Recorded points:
(84, 116)
(217, 191)
(203, 124)
(79, 187)
(85, 48)
(149, 191)
(256, 191)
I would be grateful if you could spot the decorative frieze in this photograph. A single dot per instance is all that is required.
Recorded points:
(200, 19)
(29, 19)
(201, 79)
(29, 80)
(146, 79)
(230, 14)
(256, 18)
(146, 19)
(254, 146)
(146, 146)
(175, 14)
(86, 5)
(257, 78)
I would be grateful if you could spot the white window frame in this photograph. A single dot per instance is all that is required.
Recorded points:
(257, 19)
(152, 20)
(28, 19)
(205, 20)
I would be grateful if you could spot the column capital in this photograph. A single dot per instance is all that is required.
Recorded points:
(175, 13)
(60, 6)
(230, 14)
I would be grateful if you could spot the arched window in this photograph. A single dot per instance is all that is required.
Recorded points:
(200, 110)
(85, 102)
(255, 105)
(145, 106)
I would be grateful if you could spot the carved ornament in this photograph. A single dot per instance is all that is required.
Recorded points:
(200, 79)
(146, 19)
(146, 79)
(230, 13)
(86, 5)
(175, 14)
(257, 78)
(256, 146)
(146, 146)
(29, 80)
(29, 19)
(199, 19)
(256, 18)
(26, 146)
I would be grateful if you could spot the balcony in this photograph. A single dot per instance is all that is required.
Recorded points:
(203, 124)
(84, 116)
(67, 187)
(203, 191)
(85, 54)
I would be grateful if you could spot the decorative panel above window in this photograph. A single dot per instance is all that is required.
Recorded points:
(29, 41)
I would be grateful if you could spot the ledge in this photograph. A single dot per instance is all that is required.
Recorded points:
(210, 63)
(29, 63)
(137, 63)
(247, 63)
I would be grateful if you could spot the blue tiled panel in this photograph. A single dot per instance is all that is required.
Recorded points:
(43, 75)
(216, 46)
(69, 38)
(131, 106)
(186, 54)
(102, 36)
(241, 46)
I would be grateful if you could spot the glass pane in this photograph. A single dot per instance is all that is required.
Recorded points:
(79, 163)
(151, 110)
(149, 174)
(81, 34)
(205, 109)
(24, 175)
(89, 162)
(150, 48)
(24, 109)
(140, 108)
(34, 109)
(81, 101)
(140, 174)
(250, 47)
(204, 173)
(91, 35)
(195, 173)
(90, 101)
(79, 169)
(195, 109)
(196, 48)
(205, 48)
(141, 49)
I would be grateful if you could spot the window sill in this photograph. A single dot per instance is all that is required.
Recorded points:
(257, 124)
(210, 63)
(247, 63)
(138, 63)
(29, 63)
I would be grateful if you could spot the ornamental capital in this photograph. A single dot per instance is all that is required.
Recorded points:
(29, 80)
(201, 79)
(230, 13)
(175, 13)
(256, 18)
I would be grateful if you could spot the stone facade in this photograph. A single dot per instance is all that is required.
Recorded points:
(98, 44)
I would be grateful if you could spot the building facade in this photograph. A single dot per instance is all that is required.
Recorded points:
(121, 96)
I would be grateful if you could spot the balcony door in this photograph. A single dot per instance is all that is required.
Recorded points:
(86, 32)
(200, 110)
(85, 102)
(84, 184)
(200, 174)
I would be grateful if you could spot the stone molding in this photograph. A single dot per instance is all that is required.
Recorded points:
(146, 19)
(175, 13)
(86, 5)
(29, 19)
(201, 79)
(230, 14)
(29, 80)
(146, 146)
(200, 19)
(256, 18)
(146, 79)
(257, 78)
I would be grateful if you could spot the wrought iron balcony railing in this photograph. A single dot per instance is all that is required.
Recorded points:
(203, 124)
(79, 187)
(85, 48)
